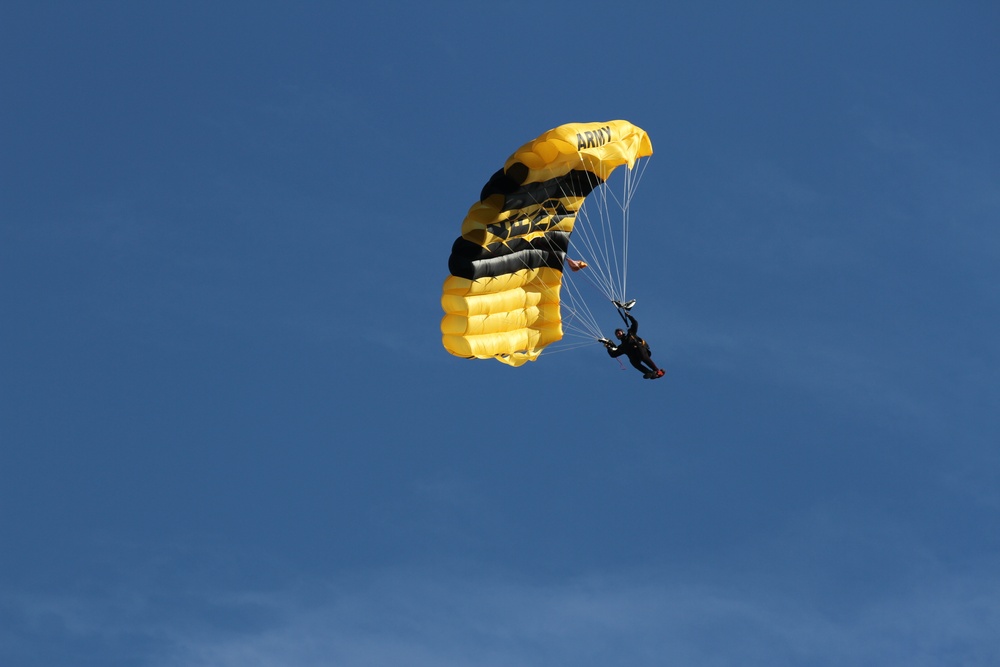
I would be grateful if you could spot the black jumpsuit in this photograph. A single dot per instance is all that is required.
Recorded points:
(637, 352)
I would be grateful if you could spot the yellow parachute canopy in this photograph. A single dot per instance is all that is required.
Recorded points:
(501, 300)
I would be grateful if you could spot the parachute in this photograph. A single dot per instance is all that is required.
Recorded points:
(504, 298)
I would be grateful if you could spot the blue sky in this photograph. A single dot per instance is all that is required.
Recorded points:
(230, 434)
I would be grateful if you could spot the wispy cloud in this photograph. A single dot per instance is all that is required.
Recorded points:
(396, 620)
(409, 620)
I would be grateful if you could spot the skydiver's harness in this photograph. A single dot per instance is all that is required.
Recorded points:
(639, 342)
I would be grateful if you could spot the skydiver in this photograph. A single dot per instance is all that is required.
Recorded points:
(632, 346)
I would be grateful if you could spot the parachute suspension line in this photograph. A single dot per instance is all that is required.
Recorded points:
(623, 268)
(632, 179)
(625, 232)
(598, 276)
(608, 231)
(581, 321)
(610, 264)
(630, 183)
(580, 308)
(613, 270)
(596, 241)
(595, 213)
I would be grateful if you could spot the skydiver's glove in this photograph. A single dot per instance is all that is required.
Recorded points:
(607, 343)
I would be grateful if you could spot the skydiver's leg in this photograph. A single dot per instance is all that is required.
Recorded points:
(636, 362)
(648, 360)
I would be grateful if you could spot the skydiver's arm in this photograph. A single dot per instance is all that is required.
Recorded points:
(615, 351)
(635, 324)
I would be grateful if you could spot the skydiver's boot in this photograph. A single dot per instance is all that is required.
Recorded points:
(660, 373)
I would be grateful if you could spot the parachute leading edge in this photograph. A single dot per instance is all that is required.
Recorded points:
(501, 300)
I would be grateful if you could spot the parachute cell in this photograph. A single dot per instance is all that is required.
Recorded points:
(502, 299)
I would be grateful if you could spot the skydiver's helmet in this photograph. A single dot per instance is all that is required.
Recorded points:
(620, 333)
